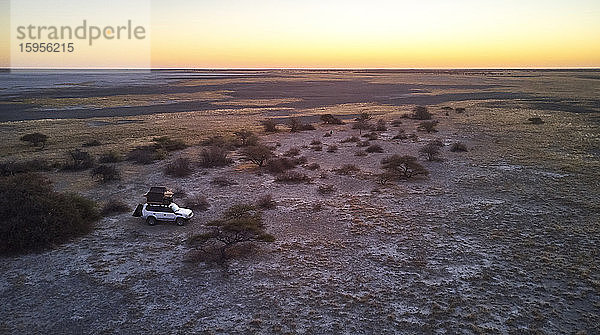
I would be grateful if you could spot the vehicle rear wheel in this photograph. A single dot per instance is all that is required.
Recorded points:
(180, 221)
(151, 220)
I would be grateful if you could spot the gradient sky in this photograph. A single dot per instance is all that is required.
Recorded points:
(370, 34)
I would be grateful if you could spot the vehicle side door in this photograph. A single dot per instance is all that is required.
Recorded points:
(168, 214)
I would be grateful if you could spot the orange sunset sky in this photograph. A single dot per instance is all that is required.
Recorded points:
(366, 34)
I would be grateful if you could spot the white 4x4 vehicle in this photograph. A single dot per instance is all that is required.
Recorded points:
(170, 212)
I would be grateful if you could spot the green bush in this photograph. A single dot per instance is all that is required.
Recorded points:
(35, 217)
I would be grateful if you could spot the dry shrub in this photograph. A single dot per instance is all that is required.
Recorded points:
(223, 181)
(431, 151)
(350, 139)
(330, 119)
(114, 206)
(396, 123)
(197, 202)
(257, 154)
(317, 147)
(374, 148)
(146, 154)
(92, 143)
(281, 164)
(168, 144)
(292, 176)
(460, 110)
(421, 113)
(292, 152)
(428, 126)
(381, 125)
(270, 126)
(78, 160)
(326, 189)
(106, 173)
(33, 165)
(360, 153)
(312, 166)
(315, 142)
(36, 139)
(371, 136)
(401, 135)
(266, 202)
(458, 147)
(347, 169)
(297, 125)
(180, 167)
(214, 156)
(362, 144)
(332, 148)
(110, 157)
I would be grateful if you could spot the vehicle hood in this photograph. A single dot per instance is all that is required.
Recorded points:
(185, 212)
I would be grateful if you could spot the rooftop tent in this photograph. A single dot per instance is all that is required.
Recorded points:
(159, 195)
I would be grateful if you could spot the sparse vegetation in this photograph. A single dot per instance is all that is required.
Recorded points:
(291, 176)
(292, 152)
(146, 154)
(421, 113)
(361, 124)
(270, 126)
(317, 147)
(381, 125)
(332, 148)
(372, 136)
(33, 165)
(313, 166)
(431, 152)
(266, 202)
(110, 157)
(347, 169)
(360, 153)
(428, 126)
(36, 139)
(282, 164)
(297, 125)
(114, 206)
(197, 202)
(78, 160)
(326, 189)
(214, 156)
(223, 181)
(330, 119)
(374, 148)
(257, 154)
(458, 147)
(35, 217)
(92, 143)
(350, 139)
(106, 173)
(239, 224)
(168, 144)
(246, 138)
(315, 142)
(180, 167)
(401, 167)
(401, 135)
(535, 120)
(363, 144)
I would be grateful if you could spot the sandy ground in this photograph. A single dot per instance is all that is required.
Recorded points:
(501, 239)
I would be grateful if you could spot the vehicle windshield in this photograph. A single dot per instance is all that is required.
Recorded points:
(174, 207)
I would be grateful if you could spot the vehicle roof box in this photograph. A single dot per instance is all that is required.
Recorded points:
(159, 195)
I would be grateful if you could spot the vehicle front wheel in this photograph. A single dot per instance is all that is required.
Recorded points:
(151, 220)
(180, 221)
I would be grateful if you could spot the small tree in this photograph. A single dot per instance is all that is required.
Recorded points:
(257, 154)
(361, 124)
(402, 167)
(36, 139)
(239, 224)
(421, 113)
(297, 125)
(428, 126)
(330, 119)
(431, 151)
